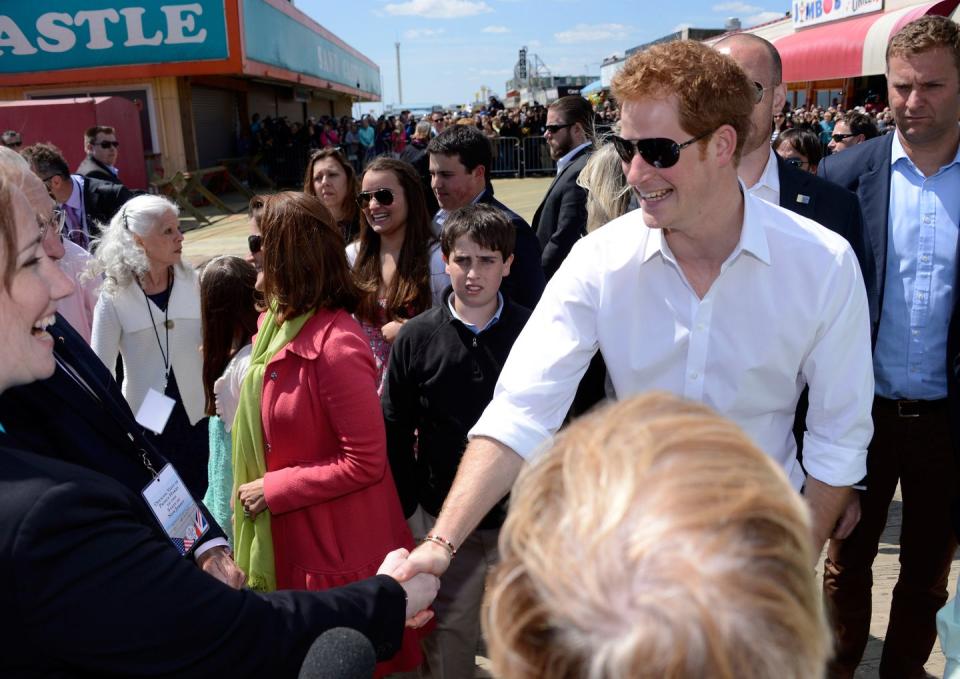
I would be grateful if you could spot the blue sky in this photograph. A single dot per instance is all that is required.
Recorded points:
(449, 48)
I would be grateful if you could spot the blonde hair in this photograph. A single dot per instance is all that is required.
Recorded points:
(655, 540)
(608, 194)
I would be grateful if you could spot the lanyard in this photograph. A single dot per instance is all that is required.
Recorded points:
(166, 323)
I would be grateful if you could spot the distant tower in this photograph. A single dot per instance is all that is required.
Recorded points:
(399, 79)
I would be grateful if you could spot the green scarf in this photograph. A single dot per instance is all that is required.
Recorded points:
(253, 542)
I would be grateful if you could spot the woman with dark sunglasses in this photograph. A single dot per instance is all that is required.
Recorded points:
(396, 261)
(801, 148)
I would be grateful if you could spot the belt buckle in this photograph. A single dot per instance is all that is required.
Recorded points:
(908, 408)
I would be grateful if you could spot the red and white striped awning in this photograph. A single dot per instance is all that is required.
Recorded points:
(851, 47)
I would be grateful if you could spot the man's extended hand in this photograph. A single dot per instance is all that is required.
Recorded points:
(217, 562)
(421, 589)
(429, 557)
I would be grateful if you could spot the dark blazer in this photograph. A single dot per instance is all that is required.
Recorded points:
(91, 167)
(91, 592)
(101, 200)
(58, 418)
(526, 281)
(561, 218)
(865, 169)
(829, 205)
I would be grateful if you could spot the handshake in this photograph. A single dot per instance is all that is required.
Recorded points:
(420, 587)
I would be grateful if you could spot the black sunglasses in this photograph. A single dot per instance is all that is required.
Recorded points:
(15, 144)
(108, 144)
(760, 90)
(553, 129)
(796, 162)
(658, 151)
(254, 242)
(382, 196)
(837, 138)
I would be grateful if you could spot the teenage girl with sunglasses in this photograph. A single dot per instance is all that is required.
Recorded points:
(396, 260)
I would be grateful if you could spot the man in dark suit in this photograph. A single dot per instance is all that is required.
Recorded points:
(91, 591)
(86, 202)
(100, 143)
(765, 174)
(561, 218)
(907, 184)
(460, 160)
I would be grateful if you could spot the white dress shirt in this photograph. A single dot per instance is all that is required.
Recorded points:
(787, 309)
(768, 186)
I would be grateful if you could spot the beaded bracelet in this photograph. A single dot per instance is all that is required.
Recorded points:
(443, 542)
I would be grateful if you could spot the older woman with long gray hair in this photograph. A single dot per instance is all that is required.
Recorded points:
(149, 313)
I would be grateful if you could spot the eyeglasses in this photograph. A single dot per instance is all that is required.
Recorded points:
(382, 196)
(553, 129)
(658, 151)
(55, 221)
(254, 242)
(760, 90)
(837, 138)
(108, 144)
(796, 162)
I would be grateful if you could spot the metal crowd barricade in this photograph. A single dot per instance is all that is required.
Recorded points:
(506, 157)
(536, 157)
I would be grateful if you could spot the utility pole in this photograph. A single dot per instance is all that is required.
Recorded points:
(399, 79)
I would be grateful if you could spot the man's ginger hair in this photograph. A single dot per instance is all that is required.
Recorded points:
(710, 88)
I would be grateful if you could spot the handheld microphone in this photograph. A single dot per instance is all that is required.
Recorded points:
(339, 653)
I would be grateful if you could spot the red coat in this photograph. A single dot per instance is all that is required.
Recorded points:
(334, 507)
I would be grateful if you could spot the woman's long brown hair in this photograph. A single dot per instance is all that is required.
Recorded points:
(409, 291)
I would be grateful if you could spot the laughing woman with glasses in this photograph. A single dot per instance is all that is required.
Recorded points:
(396, 261)
(801, 148)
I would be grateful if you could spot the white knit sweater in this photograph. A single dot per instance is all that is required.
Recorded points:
(121, 323)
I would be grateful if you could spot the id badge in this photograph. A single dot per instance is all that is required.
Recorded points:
(155, 411)
(176, 510)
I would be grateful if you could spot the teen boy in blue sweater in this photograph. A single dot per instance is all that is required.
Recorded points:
(443, 368)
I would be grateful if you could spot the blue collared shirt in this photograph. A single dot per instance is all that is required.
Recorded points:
(441, 217)
(910, 357)
(470, 326)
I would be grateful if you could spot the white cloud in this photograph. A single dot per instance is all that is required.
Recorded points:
(736, 8)
(762, 18)
(496, 29)
(418, 33)
(439, 9)
(593, 33)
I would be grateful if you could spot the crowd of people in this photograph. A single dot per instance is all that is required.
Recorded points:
(207, 467)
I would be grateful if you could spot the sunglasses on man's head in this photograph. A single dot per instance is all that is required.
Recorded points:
(254, 242)
(108, 144)
(382, 196)
(657, 151)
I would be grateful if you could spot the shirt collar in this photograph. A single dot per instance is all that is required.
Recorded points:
(897, 153)
(770, 177)
(565, 160)
(753, 238)
(76, 198)
(470, 326)
(442, 214)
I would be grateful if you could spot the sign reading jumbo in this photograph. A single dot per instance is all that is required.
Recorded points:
(810, 12)
(91, 33)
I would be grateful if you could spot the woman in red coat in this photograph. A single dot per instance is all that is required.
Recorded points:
(311, 420)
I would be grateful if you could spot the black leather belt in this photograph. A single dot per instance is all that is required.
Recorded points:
(909, 407)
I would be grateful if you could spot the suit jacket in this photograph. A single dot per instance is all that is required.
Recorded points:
(561, 218)
(829, 205)
(58, 418)
(91, 167)
(102, 200)
(865, 169)
(91, 592)
(526, 281)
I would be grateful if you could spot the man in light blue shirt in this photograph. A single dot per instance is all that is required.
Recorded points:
(908, 184)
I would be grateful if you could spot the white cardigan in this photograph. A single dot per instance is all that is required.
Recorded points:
(121, 323)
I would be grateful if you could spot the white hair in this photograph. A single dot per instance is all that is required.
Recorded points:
(118, 256)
